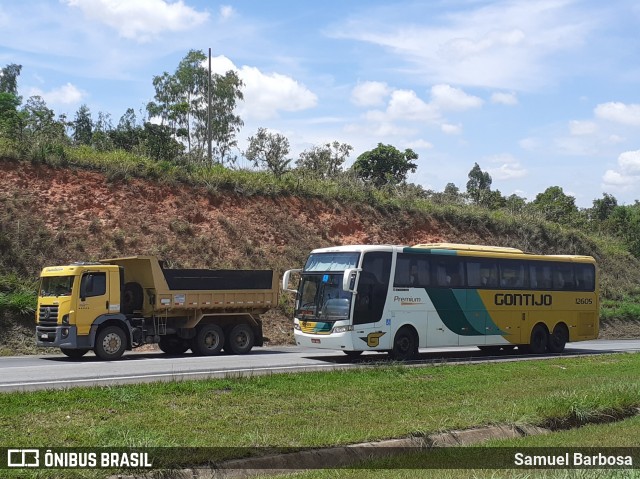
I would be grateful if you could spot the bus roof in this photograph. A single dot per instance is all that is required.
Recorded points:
(468, 247)
(456, 248)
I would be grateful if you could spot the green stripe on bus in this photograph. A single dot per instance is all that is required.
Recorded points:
(450, 311)
(483, 323)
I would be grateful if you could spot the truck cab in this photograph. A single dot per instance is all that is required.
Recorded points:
(73, 302)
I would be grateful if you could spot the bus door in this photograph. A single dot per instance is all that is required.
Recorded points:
(371, 326)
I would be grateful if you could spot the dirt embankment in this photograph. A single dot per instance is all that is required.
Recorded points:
(84, 216)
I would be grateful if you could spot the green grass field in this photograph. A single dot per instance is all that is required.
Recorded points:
(334, 408)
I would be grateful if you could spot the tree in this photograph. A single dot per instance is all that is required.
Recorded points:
(555, 205)
(40, 125)
(159, 142)
(10, 124)
(479, 185)
(101, 139)
(603, 207)
(128, 134)
(515, 203)
(225, 125)
(385, 165)
(9, 79)
(269, 150)
(324, 161)
(82, 126)
(181, 103)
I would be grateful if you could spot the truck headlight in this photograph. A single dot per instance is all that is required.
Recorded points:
(342, 329)
(65, 319)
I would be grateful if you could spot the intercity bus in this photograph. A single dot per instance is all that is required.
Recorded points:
(397, 299)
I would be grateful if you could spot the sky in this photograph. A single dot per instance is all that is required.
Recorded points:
(538, 93)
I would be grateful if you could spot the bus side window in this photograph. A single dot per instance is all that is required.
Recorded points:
(585, 277)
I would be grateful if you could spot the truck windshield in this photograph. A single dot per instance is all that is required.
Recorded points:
(56, 286)
(321, 298)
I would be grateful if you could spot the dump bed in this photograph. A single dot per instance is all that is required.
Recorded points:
(200, 289)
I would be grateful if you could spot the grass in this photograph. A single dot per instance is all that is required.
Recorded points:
(335, 408)
(322, 409)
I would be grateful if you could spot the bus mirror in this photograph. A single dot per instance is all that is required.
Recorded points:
(285, 280)
(349, 279)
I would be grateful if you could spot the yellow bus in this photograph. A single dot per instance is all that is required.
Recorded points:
(397, 299)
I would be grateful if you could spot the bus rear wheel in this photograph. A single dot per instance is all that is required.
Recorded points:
(558, 339)
(405, 345)
(539, 340)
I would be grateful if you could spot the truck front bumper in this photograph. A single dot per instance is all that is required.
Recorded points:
(65, 336)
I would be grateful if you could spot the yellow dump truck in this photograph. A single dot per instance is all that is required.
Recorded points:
(120, 304)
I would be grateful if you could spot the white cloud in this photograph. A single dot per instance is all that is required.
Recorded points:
(503, 44)
(447, 97)
(503, 98)
(449, 129)
(629, 162)
(370, 93)
(627, 173)
(529, 143)
(406, 105)
(619, 113)
(67, 94)
(419, 144)
(140, 20)
(266, 94)
(613, 179)
(509, 168)
(581, 128)
(226, 12)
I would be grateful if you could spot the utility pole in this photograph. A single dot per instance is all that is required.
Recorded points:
(209, 110)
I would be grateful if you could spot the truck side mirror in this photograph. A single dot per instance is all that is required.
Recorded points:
(285, 280)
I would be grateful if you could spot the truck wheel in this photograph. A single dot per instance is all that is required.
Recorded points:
(74, 353)
(173, 345)
(240, 340)
(209, 340)
(111, 343)
(405, 345)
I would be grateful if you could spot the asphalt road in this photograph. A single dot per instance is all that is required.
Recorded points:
(57, 371)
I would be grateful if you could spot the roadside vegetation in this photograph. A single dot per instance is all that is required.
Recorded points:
(287, 411)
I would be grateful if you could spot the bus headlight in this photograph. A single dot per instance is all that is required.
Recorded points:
(297, 326)
(342, 329)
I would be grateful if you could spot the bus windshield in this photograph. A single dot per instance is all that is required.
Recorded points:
(331, 261)
(322, 298)
(56, 286)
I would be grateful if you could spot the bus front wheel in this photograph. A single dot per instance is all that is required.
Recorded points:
(405, 345)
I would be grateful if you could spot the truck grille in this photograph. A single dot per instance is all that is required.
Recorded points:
(48, 315)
